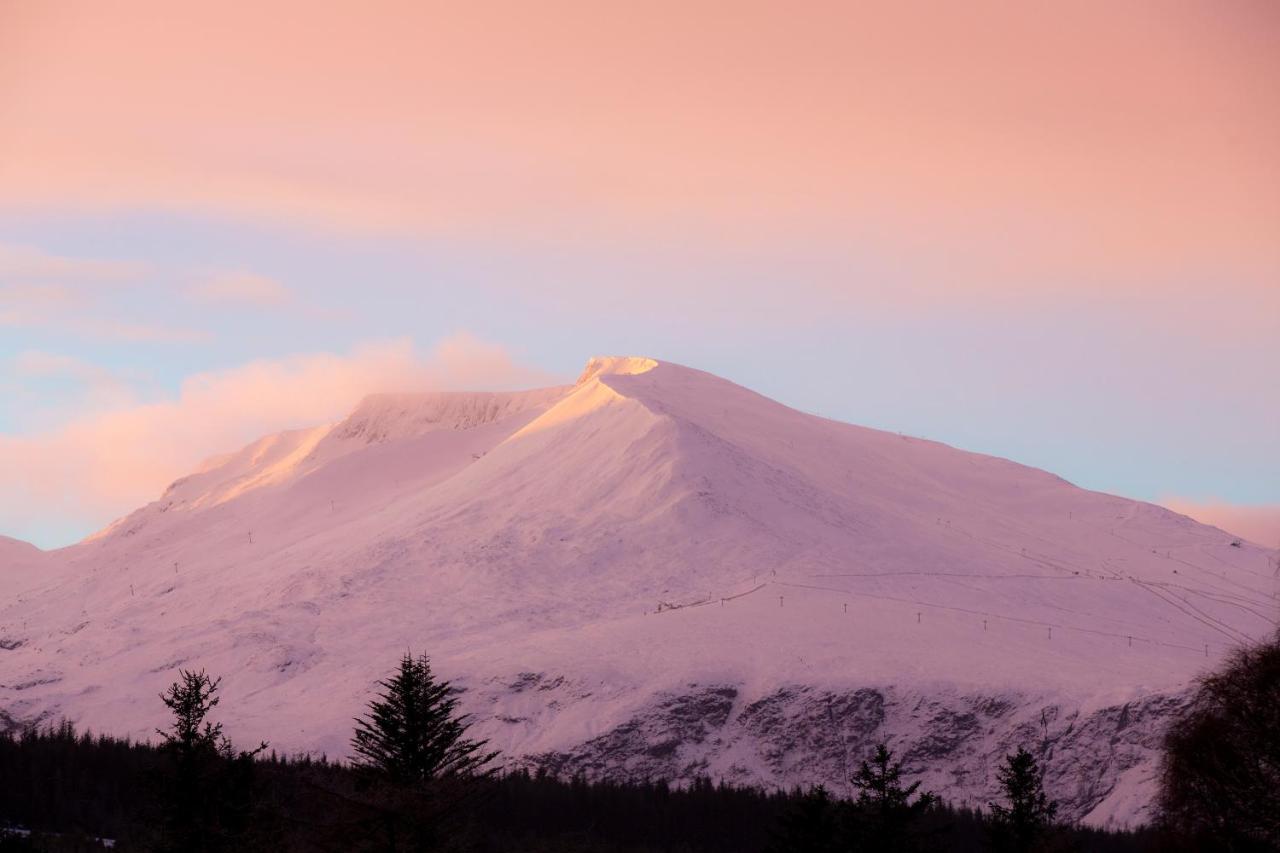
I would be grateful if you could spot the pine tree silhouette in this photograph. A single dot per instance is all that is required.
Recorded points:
(413, 734)
(191, 700)
(413, 748)
(813, 825)
(208, 799)
(885, 818)
(1026, 821)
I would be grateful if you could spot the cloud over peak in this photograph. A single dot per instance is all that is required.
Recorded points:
(101, 464)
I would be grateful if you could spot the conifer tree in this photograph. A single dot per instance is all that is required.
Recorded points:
(191, 700)
(885, 817)
(208, 799)
(813, 825)
(412, 733)
(413, 748)
(1026, 820)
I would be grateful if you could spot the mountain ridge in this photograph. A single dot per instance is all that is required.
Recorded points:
(653, 571)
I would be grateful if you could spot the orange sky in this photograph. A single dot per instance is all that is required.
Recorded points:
(1140, 135)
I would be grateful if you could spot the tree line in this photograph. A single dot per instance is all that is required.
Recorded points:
(418, 782)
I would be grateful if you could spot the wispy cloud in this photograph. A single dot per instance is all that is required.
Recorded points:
(99, 327)
(28, 294)
(43, 291)
(104, 463)
(241, 286)
(28, 262)
(46, 388)
(40, 364)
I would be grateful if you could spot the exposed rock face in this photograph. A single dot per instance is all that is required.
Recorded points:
(671, 740)
(799, 732)
(802, 735)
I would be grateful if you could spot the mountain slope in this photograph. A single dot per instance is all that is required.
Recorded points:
(654, 572)
(21, 564)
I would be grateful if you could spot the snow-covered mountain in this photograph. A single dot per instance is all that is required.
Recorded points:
(21, 564)
(653, 572)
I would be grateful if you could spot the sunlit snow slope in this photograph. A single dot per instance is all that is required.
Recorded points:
(653, 572)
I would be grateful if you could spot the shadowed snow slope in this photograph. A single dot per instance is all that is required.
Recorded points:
(653, 572)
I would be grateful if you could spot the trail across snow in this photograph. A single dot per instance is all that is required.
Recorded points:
(651, 572)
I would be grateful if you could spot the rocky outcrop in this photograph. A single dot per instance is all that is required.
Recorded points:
(1098, 761)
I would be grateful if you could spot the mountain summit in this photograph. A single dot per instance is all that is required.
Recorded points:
(651, 573)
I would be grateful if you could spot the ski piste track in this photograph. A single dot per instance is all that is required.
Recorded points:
(1255, 602)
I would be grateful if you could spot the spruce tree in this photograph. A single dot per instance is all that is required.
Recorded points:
(885, 817)
(419, 765)
(1026, 820)
(412, 733)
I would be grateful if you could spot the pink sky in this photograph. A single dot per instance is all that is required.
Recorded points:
(1003, 159)
(1260, 524)
(1140, 133)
